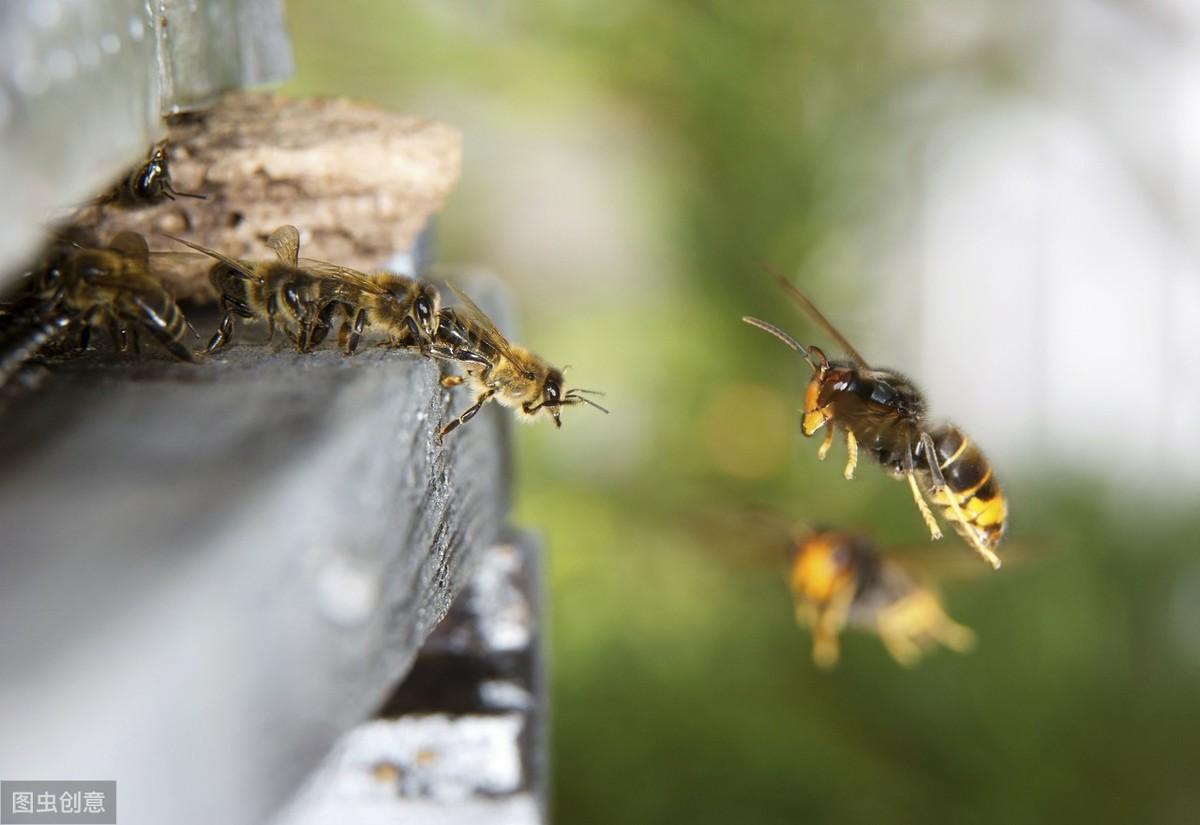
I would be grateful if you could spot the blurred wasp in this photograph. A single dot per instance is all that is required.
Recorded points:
(404, 309)
(150, 182)
(263, 290)
(82, 285)
(839, 579)
(885, 413)
(495, 368)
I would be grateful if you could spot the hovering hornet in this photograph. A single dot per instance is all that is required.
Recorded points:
(839, 579)
(495, 368)
(883, 411)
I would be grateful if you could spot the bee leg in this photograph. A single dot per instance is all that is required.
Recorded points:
(467, 414)
(300, 314)
(852, 454)
(272, 309)
(85, 336)
(322, 324)
(135, 343)
(966, 527)
(223, 334)
(823, 450)
(360, 323)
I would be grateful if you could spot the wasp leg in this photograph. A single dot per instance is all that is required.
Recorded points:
(823, 450)
(467, 414)
(852, 455)
(966, 528)
(935, 532)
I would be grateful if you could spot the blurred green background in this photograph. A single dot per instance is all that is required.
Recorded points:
(626, 167)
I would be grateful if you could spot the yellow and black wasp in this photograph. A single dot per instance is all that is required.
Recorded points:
(882, 412)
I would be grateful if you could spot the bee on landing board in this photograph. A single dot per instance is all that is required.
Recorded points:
(270, 290)
(150, 182)
(84, 286)
(495, 368)
(839, 579)
(404, 309)
(882, 412)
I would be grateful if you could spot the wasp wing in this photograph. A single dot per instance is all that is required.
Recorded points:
(811, 310)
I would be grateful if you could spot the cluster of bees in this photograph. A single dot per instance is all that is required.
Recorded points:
(81, 285)
(839, 578)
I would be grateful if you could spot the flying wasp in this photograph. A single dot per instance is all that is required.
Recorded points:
(884, 413)
(840, 579)
(86, 286)
(498, 369)
(404, 309)
(264, 290)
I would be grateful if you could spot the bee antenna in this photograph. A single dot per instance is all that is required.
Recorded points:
(782, 336)
(581, 399)
(590, 392)
(171, 190)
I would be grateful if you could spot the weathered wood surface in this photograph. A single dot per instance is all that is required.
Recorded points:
(463, 739)
(360, 182)
(209, 572)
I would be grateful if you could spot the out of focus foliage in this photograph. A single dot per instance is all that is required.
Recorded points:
(627, 166)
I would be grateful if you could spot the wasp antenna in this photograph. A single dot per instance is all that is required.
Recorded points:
(815, 314)
(782, 336)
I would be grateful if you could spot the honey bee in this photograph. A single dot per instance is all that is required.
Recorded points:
(88, 287)
(495, 368)
(883, 411)
(150, 182)
(260, 290)
(839, 579)
(405, 309)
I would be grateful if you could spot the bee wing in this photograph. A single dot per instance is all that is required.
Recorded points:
(487, 330)
(813, 313)
(286, 242)
(132, 245)
(225, 259)
(355, 278)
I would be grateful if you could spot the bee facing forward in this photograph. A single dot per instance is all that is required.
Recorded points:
(495, 368)
(881, 411)
(838, 580)
(150, 182)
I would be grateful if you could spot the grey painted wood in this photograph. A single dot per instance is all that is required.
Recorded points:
(84, 85)
(209, 572)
